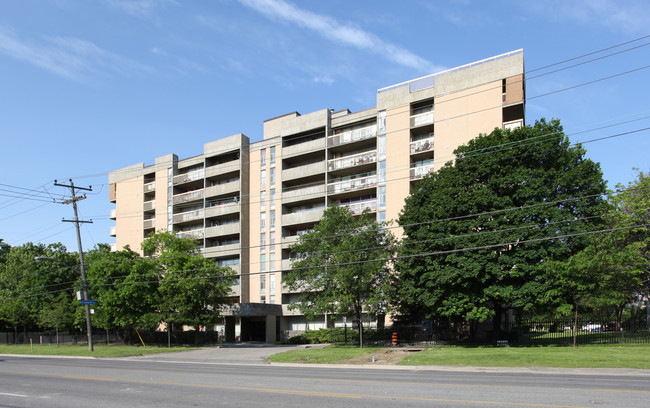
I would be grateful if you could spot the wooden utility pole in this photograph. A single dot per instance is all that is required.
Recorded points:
(77, 223)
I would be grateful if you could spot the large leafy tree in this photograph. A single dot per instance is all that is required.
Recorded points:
(340, 267)
(192, 288)
(125, 287)
(479, 230)
(28, 288)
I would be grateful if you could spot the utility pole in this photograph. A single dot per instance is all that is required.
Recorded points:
(77, 222)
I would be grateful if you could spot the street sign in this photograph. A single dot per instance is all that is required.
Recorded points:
(87, 302)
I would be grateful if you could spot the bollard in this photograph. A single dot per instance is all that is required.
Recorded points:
(394, 339)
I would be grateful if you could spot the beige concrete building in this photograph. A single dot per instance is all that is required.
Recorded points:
(246, 203)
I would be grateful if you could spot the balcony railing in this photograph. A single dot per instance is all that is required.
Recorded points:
(422, 145)
(421, 119)
(224, 229)
(351, 185)
(149, 224)
(113, 247)
(190, 176)
(113, 231)
(195, 234)
(188, 197)
(149, 205)
(220, 189)
(303, 171)
(513, 124)
(352, 135)
(304, 193)
(217, 209)
(351, 161)
(421, 171)
(113, 214)
(303, 217)
(359, 207)
(149, 187)
(188, 216)
(302, 148)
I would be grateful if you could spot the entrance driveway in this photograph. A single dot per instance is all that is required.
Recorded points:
(225, 354)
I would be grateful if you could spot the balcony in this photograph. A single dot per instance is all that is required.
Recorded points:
(305, 193)
(352, 135)
(513, 124)
(188, 216)
(189, 197)
(221, 189)
(353, 184)
(421, 171)
(288, 241)
(113, 214)
(218, 209)
(422, 117)
(221, 230)
(190, 176)
(149, 187)
(221, 250)
(149, 224)
(149, 205)
(302, 148)
(113, 247)
(113, 232)
(303, 217)
(303, 171)
(194, 234)
(359, 207)
(423, 145)
(352, 161)
(221, 169)
(285, 265)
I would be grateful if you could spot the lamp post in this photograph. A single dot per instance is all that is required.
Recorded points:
(84, 296)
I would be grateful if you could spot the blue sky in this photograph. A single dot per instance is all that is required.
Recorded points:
(91, 86)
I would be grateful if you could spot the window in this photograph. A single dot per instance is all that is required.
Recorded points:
(272, 155)
(263, 265)
(382, 171)
(262, 241)
(381, 147)
(381, 217)
(262, 200)
(272, 241)
(262, 220)
(272, 219)
(382, 196)
(272, 198)
(272, 299)
(263, 178)
(272, 283)
(272, 262)
(262, 299)
(263, 157)
(272, 176)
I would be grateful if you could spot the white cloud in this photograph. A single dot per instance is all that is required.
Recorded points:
(341, 32)
(70, 58)
(630, 16)
(324, 79)
(141, 8)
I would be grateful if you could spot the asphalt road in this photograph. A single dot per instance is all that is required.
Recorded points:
(197, 379)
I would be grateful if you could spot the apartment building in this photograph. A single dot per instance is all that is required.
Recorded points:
(246, 203)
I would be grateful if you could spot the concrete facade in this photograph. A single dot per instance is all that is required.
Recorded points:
(245, 203)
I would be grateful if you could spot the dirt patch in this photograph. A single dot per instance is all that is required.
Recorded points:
(382, 357)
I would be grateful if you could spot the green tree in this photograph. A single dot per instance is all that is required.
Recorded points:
(478, 231)
(192, 288)
(340, 267)
(125, 287)
(28, 287)
(4, 251)
(59, 314)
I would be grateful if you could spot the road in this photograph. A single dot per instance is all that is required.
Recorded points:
(147, 382)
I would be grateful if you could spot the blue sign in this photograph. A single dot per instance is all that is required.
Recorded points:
(87, 302)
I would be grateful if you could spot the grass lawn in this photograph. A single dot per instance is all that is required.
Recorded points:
(590, 356)
(82, 350)
(327, 355)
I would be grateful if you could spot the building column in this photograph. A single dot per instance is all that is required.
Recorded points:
(270, 329)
